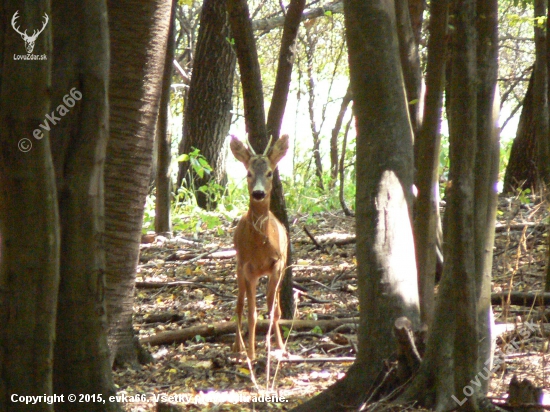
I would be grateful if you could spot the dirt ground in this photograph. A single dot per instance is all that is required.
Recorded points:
(189, 281)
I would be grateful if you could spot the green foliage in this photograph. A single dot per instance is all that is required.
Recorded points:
(317, 330)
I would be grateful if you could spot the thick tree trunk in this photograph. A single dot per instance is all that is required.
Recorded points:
(137, 69)
(163, 223)
(29, 221)
(427, 160)
(80, 70)
(540, 98)
(208, 109)
(385, 246)
(521, 172)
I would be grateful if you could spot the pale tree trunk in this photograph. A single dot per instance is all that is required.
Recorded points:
(138, 45)
(80, 69)
(29, 267)
(385, 247)
(208, 108)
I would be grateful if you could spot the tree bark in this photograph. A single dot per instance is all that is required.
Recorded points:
(80, 64)
(208, 109)
(137, 69)
(521, 172)
(387, 288)
(29, 220)
(540, 98)
(486, 173)
(163, 202)
(427, 159)
(287, 54)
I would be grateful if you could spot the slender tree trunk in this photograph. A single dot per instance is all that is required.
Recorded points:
(137, 69)
(287, 54)
(427, 160)
(163, 202)
(486, 172)
(334, 137)
(410, 61)
(208, 109)
(29, 221)
(80, 68)
(387, 288)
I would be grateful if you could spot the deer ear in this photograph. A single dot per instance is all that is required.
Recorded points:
(278, 150)
(241, 153)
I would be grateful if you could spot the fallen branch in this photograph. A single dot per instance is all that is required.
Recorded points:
(223, 328)
(521, 298)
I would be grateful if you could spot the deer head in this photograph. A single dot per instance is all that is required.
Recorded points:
(29, 40)
(259, 167)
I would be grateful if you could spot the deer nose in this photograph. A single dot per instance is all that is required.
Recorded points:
(258, 194)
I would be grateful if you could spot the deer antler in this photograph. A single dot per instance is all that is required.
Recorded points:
(268, 145)
(36, 33)
(13, 22)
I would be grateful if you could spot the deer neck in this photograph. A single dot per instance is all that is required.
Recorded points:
(258, 213)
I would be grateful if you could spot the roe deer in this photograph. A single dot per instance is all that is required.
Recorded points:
(260, 241)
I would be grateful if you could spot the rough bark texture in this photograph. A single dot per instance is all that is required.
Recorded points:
(385, 250)
(163, 136)
(274, 120)
(78, 141)
(29, 268)
(208, 109)
(540, 98)
(137, 67)
(521, 172)
(427, 159)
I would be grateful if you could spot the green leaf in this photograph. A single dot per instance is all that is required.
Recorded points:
(328, 13)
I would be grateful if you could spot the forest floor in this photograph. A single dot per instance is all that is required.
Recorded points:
(189, 282)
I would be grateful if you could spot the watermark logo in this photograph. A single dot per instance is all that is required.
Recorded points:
(69, 100)
(29, 40)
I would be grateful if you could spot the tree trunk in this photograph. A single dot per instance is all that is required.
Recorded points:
(385, 246)
(521, 172)
(410, 61)
(287, 54)
(137, 55)
(540, 98)
(208, 109)
(486, 173)
(427, 147)
(80, 70)
(163, 201)
(454, 356)
(29, 221)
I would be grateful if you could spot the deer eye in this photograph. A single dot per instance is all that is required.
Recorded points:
(269, 174)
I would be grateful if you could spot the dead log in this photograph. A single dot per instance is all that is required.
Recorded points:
(521, 298)
(222, 328)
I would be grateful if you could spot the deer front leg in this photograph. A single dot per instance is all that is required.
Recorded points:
(251, 285)
(274, 306)
(239, 345)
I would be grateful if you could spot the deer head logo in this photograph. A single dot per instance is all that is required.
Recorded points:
(29, 40)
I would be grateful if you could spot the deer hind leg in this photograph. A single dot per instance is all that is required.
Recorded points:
(251, 284)
(274, 305)
(239, 345)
